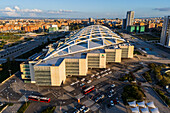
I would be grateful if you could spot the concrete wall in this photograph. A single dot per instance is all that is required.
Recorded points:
(32, 74)
(83, 67)
(102, 60)
(118, 55)
(58, 74)
(130, 51)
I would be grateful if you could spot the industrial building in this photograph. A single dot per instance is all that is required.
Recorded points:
(92, 47)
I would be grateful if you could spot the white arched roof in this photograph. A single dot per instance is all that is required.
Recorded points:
(91, 37)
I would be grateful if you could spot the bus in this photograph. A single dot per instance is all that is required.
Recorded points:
(34, 98)
(88, 90)
(40, 99)
(44, 99)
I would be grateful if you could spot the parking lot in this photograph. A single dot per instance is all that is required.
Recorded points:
(104, 97)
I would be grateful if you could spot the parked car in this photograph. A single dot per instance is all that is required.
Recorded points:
(112, 103)
(113, 85)
(108, 69)
(86, 109)
(76, 111)
(82, 108)
(117, 100)
(111, 91)
(92, 76)
(103, 75)
(110, 95)
(77, 82)
(89, 81)
(98, 77)
(82, 84)
(1, 104)
(102, 72)
(97, 73)
(83, 79)
(72, 83)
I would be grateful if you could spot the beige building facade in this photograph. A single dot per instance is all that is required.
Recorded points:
(92, 47)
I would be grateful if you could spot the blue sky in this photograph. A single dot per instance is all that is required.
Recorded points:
(84, 8)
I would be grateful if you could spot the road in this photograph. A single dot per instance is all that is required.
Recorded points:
(143, 44)
(15, 51)
(152, 96)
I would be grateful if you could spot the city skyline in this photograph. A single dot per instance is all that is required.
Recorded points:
(83, 9)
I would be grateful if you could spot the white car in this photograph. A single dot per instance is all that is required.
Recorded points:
(77, 82)
(82, 108)
(86, 109)
(83, 79)
(89, 81)
(105, 70)
(102, 72)
(113, 85)
(110, 72)
(103, 75)
(92, 76)
(1, 104)
(111, 91)
(72, 83)
(108, 69)
(98, 77)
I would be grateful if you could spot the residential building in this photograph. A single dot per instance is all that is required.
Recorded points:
(129, 18)
(165, 35)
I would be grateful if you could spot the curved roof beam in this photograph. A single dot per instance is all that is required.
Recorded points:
(88, 35)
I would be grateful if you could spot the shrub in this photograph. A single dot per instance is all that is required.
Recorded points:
(132, 92)
(148, 77)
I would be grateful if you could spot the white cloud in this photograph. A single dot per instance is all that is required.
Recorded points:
(7, 9)
(12, 13)
(31, 10)
(61, 10)
(32, 15)
(16, 8)
(16, 11)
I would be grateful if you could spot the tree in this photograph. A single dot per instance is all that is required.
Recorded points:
(152, 65)
(159, 76)
(165, 81)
